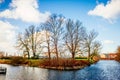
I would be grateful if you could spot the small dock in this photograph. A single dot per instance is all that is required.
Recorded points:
(3, 70)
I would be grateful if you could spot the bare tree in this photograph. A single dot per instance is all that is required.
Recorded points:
(29, 41)
(45, 28)
(73, 36)
(33, 36)
(2, 54)
(23, 43)
(96, 47)
(54, 26)
(89, 40)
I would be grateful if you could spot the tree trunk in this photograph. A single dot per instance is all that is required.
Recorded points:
(56, 51)
(49, 54)
(73, 55)
(89, 53)
(28, 55)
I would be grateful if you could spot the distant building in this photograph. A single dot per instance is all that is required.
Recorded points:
(112, 55)
(108, 56)
(102, 56)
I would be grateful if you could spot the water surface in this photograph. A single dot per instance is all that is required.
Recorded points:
(102, 70)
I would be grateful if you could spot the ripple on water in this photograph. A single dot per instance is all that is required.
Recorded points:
(102, 70)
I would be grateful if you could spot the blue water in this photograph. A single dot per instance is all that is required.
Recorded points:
(102, 70)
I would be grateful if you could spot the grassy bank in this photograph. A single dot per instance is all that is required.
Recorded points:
(5, 61)
(27, 62)
(64, 64)
(61, 64)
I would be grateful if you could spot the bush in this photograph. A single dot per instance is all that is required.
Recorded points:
(34, 62)
(5, 57)
(36, 57)
(17, 60)
(64, 63)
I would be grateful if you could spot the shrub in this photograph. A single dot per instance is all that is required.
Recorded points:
(36, 57)
(17, 60)
(5, 57)
(34, 62)
(117, 58)
(64, 63)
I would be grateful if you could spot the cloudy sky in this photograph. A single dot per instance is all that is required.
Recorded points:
(100, 15)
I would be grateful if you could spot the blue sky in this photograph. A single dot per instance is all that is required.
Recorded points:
(100, 15)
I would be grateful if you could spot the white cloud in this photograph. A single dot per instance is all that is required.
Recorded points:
(110, 11)
(26, 10)
(1, 1)
(7, 37)
(108, 42)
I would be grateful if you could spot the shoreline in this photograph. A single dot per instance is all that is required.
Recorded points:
(52, 67)
(64, 68)
(61, 68)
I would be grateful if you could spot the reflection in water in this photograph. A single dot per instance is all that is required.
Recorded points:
(24, 73)
(103, 70)
(61, 75)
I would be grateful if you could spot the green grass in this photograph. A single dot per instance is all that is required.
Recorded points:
(91, 61)
(34, 62)
(81, 59)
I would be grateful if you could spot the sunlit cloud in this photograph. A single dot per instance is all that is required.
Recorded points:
(110, 11)
(7, 37)
(25, 10)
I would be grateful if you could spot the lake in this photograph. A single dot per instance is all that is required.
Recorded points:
(102, 70)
